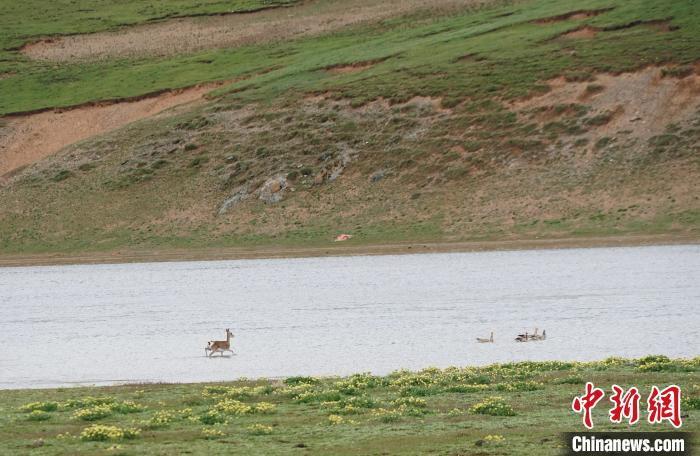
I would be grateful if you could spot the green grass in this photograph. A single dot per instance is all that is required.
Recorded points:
(517, 408)
(417, 55)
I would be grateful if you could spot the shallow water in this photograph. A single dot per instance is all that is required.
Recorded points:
(69, 325)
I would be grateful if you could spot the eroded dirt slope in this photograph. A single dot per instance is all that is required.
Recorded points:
(28, 139)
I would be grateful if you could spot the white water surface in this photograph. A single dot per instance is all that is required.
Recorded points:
(105, 324)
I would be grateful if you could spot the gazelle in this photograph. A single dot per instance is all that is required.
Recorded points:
(220, 346)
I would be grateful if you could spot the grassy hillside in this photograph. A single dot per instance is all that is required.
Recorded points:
(510, 409)
(503, 120)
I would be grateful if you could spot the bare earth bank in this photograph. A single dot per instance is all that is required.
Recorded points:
(348, 248)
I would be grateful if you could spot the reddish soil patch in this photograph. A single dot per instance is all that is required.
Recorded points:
(187, 35)
(663, 26)
(573, 15)
(28, 139)
(355, 67)
(651, 102)
(581, 33)
(434, 103)
(352, 68)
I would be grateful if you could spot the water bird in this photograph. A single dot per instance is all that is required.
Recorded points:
(522, 337)
(534, 336)
(483, 340)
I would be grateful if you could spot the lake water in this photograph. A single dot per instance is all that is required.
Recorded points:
(70, 325)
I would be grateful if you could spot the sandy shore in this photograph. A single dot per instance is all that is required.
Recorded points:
(335, 249)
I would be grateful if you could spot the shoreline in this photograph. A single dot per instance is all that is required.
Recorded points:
(273, 252)
(126, 384)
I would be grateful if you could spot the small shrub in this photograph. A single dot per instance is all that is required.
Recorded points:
(519, 386)
(185, 413)
(38, 415)
(86, 167)
(301, 380)
(386, 416)
(600, 119)
(131, 433)
(677, 71)
(410, 401)
(664, 140)
(494, 440)
(264, 408)
(93, 413)
(212, 417)
(603, 142)
(421, 391)
(354, 384)
(341, 409)
(319, 396)
(594, 88)
(191, 146)
(212, 391)
(232, 407)
(87, 401)
(194, 124)
(211, 434)
(160, 419)
(690, 403)
(466, 388)
(612, 361)
(578, 76)
(411, 411)
(334, 420)
(198, 161)
(42, 406)
(127, 407)
(260, 429)
(655, 363)
(294, 391)
(61, 175)
(101, 433)
(349, 406)
(494, 406)
(159, 163)
(456, 172)
(573, 380)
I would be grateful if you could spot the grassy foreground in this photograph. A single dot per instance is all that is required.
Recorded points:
(515, 408)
